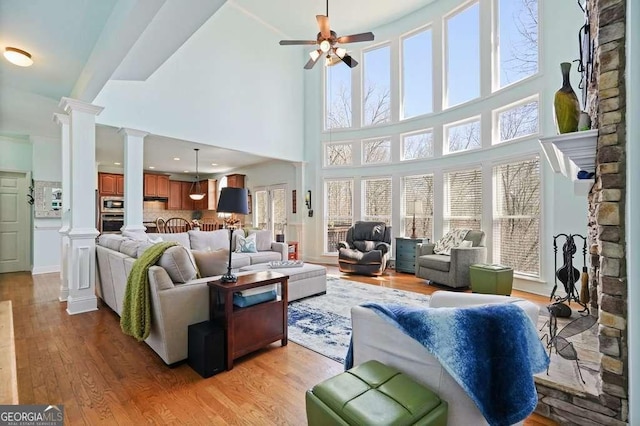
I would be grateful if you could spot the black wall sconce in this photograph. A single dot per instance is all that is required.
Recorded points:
(307, 201)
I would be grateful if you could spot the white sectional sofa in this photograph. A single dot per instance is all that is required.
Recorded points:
(178, 299)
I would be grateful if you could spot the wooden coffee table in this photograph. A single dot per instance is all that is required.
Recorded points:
(253, 327)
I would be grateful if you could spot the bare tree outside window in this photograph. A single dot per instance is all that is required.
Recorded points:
(516, 226)
(337, 97)
(463, 137)
(338, 211)
(376, 100)
(519, 121)
(338, 154)
(518, 38)
(417, 145)
(418, 199)
(463, 199)
(376, 151)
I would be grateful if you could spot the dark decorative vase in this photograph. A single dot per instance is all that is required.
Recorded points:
(566, 104)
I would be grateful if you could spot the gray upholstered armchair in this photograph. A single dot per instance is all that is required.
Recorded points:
(452, 270)
(366, 250)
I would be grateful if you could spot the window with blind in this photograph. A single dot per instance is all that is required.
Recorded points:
(338, 211)
(376, 199)
(516, 216)
(338, 154)
(463, 199)
(376, 151)
(417, 145)
(417, 199)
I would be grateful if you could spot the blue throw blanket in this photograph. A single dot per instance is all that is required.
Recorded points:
(492, 351)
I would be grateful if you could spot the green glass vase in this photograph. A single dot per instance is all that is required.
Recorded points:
(566, 104)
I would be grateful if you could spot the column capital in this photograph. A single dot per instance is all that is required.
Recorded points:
(68, 104)
(60, 119)
(132, 132)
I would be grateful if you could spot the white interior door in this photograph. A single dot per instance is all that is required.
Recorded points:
(271, 208)
(14, 223)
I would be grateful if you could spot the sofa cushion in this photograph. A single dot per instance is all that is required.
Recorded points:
(209, 240)
(178, 264)
(211, 263)
(135, 235)
(130, 247)
(369, 231)
(181, 238)
(439, 262)
(246, 244)
(452, 239)
(110, 241)
(263, 239)
(264, 256)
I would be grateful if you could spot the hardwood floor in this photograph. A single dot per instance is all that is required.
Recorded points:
(104, 377)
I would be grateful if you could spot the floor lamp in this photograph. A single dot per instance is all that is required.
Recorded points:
(232, 200)
(414, 207)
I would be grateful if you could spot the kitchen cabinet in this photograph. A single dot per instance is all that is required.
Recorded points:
(235, 181)
(210, 200)
(156, 185)
(187, 203)
(175, 195)
(110, 184)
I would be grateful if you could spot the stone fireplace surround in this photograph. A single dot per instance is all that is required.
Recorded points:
(606, 228)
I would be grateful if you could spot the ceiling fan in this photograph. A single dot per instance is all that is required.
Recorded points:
(326, 41)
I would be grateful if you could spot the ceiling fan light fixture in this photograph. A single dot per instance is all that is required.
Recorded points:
(314, 54)
(325, 46)
(195, 192)
(340, 51)
(18, 57)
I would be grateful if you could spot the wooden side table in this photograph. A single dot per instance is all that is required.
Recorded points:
(406, 254)
(253, 327)
(292, 249)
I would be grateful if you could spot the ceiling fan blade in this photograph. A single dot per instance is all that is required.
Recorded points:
(323, 24)
(296, 42)
(347, 59)
(312, 61)
(354, 38)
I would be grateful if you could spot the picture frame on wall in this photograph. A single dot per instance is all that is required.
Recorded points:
(249, 202)
(293, 201)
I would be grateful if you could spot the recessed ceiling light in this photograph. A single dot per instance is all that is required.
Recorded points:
(176, 158)
(117, 164)
(214, 164)
(152, 167)
(18, 57)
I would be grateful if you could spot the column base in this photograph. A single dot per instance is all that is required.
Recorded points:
(79, 305)
(64, 294)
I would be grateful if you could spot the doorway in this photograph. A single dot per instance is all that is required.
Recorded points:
(15, 239)
(271, 208)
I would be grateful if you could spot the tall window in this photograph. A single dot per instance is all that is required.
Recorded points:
(376, 93)
(518, 39)
(338, 207)
(516, 216)
(376, 151)
(417, 67)
(376, 199)
(417, 199)
(462, 137)
(463, 56)
(338, 97)
(338, 154)
(463, 199)
(417, 145)
(518, 121)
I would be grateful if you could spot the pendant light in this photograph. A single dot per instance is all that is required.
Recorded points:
(196, 193)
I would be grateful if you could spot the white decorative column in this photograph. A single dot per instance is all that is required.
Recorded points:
(63, 121)
(133, 178)
(301, 208)
(82, 232)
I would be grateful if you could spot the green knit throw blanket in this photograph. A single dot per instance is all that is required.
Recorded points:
(136, 311)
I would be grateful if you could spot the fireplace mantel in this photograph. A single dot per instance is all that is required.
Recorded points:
(571, 152)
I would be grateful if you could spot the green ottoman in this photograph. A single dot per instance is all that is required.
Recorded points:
(491, 279)
(374, 394)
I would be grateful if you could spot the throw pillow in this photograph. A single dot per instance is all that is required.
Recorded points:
(263, 239)
(177, 262)
(452, 239)
(246, 244)
(135, 235)
(209, 240)
(211, 263)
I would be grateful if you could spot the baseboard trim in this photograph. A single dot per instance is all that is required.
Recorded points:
(39, 270)
(80, 305)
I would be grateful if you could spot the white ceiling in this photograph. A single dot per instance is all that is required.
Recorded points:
(77, 45)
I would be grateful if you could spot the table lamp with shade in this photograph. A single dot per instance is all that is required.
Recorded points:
(232, 200)
(414, 207)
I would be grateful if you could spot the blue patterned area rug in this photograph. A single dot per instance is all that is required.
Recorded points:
(323, 323)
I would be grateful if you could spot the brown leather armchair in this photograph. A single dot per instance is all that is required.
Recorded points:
(366, 250)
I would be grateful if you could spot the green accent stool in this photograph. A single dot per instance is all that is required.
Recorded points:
(374, 394)
(491, 279)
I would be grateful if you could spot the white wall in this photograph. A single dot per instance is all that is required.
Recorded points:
(47, 154)
(230, 85)
(562, 210)
(16, 154)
